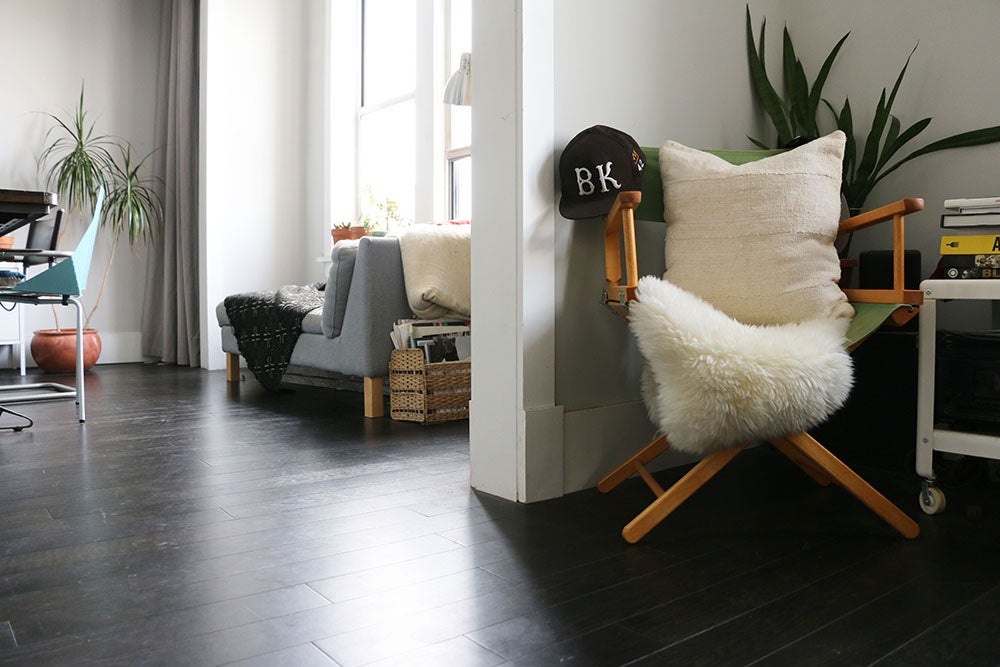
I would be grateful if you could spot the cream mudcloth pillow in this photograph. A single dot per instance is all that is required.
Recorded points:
(756, 240)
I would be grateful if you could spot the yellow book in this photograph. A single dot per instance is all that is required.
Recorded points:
(975, 244)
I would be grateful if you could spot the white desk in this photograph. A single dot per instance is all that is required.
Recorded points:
(930, 439)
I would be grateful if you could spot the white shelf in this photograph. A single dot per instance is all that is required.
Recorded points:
(930, 439)
(961, 289)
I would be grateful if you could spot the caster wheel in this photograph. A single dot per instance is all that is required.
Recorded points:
(932, 500)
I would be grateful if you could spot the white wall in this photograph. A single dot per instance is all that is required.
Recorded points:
(655, 70)
(952, 78)
(50, 47)
(263, 160)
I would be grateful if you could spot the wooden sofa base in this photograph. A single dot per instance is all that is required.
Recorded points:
(373, 387)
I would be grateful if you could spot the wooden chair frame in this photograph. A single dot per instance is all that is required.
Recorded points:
(801, 448)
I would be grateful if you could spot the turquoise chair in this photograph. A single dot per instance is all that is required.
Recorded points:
(61, 284)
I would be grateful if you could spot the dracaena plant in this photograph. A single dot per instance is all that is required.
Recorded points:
(794, 114)
(77, 161)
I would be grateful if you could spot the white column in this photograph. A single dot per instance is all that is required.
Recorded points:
(515, 426)
(211, 204)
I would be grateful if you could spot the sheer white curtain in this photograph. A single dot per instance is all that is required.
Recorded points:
(170, 319)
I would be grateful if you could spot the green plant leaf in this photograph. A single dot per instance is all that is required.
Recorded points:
(868, 169)
(78, 158)
(864, 165)
(986, 135)
(891, 148)
(796, 86)
(816, 94)
(845, 123)
(134, 208)
(890, 139)
(769, 98)
(804, 125)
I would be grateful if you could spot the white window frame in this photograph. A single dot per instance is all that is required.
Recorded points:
(451, 153)
(343, 54)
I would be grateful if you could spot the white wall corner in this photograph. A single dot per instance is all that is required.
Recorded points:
(540, 465)
(515, 426)
(211, 22)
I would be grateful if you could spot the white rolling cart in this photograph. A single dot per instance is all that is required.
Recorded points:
(930, 439)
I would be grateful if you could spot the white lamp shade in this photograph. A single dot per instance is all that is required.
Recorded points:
(459, 88)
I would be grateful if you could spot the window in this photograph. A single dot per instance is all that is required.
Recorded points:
(459, 143)
(408, 145)
(387, 115)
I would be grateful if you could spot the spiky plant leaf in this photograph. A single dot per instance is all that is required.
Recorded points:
(986, 135)
(75, 157)
(816, 94)
(133, 207)
(769, 98)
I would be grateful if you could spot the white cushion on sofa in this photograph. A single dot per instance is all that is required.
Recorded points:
(437, 270)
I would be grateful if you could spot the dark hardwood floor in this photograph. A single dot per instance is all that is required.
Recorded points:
(188, 523)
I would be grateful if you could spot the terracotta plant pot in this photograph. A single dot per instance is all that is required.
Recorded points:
(341, 234)
(54, 350)
(358, 231)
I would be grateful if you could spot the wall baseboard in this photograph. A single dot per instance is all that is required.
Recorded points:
(116, 348)
(598, 439)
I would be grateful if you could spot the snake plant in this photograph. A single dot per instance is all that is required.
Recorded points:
(794, 114)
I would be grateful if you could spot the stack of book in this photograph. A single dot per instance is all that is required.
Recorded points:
(971, 212)
(441, 340)
(972, 248)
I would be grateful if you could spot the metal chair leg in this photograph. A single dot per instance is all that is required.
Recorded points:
(21, 427)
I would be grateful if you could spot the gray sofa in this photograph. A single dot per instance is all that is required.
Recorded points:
(348, 337)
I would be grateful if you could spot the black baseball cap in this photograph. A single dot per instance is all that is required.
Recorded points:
(595, 166)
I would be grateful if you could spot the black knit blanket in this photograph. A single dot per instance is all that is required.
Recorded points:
(267, 326)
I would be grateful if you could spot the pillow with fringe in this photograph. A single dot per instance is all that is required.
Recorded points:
(712, 382)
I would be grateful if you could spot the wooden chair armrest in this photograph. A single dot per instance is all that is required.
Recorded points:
(880, 214)
(896, 212)
(619, 225)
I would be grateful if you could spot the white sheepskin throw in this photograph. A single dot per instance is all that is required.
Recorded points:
(712, 382)
(437, 270)
(756, 240)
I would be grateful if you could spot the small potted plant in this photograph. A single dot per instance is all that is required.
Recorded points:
(386, 213)
(379, 215)
(361, 227)
(341, 231)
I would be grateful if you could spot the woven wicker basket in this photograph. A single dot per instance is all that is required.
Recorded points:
(422, 392)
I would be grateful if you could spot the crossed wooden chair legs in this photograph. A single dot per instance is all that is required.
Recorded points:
(801, 448)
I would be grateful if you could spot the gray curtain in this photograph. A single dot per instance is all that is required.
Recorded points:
(170, 318)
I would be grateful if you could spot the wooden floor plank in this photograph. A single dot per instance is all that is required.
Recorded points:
(192, 521)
